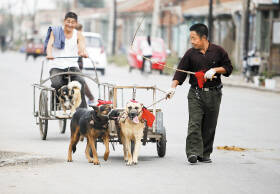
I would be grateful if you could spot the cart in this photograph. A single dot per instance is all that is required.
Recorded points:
(119, 95)
(44, 109)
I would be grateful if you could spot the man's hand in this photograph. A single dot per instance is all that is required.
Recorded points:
(170, 93)
(49, 57)
(83, 54)
(209, 74)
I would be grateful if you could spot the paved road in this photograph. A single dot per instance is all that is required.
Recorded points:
(248, 119)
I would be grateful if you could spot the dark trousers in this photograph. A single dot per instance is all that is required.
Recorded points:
(144, 60)
(61, 80)
(204, 109)
(87, 91)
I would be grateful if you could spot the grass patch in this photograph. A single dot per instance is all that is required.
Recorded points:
(119, 60)
(171, 62)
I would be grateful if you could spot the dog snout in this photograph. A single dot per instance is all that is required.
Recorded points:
(132, 114)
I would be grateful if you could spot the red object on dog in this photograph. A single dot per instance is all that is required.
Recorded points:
(134, 101)
(148, 116)
(101, 102)
(200, 78)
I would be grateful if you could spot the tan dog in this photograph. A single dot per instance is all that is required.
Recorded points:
(132, 127)
(75, 95)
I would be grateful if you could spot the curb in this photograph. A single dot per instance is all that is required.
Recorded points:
(277, 91)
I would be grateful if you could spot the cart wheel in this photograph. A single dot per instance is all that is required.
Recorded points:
(90, 150)
(43, 112)
(43, 128)
(161, 145)
(62, 125)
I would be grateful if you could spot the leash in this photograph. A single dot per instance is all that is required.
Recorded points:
(158, 101)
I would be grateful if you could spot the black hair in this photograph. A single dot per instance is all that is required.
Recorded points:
(200, 29)
(149, 40)
(71, 15)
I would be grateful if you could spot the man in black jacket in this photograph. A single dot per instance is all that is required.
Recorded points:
(204, 103)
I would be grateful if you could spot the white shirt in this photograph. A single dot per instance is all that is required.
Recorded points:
(146, 48)
(70, 50)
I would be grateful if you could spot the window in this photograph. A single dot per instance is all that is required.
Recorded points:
(93, 41)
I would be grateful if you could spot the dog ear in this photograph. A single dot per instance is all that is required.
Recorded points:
(95, 108)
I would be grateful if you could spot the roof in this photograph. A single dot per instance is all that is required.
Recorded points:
(137, 6)
(220, 9)
(265, 1)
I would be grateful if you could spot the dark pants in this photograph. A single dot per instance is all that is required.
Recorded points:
(87, 91)
(144, 60)
(61, 80)
(203, 115)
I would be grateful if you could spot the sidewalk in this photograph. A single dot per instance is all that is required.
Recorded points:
(237, 80)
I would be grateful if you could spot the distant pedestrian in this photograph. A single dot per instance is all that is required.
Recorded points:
(147, 52)
(204, 103)
(3, 43)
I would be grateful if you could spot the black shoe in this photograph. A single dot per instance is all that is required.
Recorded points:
(204, 159)
(192, 159)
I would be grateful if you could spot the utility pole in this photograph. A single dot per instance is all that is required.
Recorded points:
(246, 31)
(210, 21)
(114, 28)
(34, 31)
(155, 18)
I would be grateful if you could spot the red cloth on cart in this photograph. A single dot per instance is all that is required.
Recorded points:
(101, 102)
(148, 116)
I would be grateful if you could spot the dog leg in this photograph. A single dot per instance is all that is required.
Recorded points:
(73, 142)
(136, 150)
(64, 110)
(90, 159)
(73, 109)
(124, 149)
(106, 143)
(95, 157)
(128, 151)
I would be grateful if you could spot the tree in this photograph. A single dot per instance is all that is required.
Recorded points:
(92, 3)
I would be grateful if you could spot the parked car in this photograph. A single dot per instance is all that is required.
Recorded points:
(34, 47)
(135, 58)
(96, 52)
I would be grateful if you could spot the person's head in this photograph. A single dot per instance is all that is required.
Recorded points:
(79, 27)
(198, 35)
(70, 21)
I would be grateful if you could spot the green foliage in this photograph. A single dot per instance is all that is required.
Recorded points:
(92, 3)
(268, 74)
(171, 62)
(119, 60)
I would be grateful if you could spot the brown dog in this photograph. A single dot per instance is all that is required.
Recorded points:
(92, 124)
(75, 95)
(132, 127)
(69, 96)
